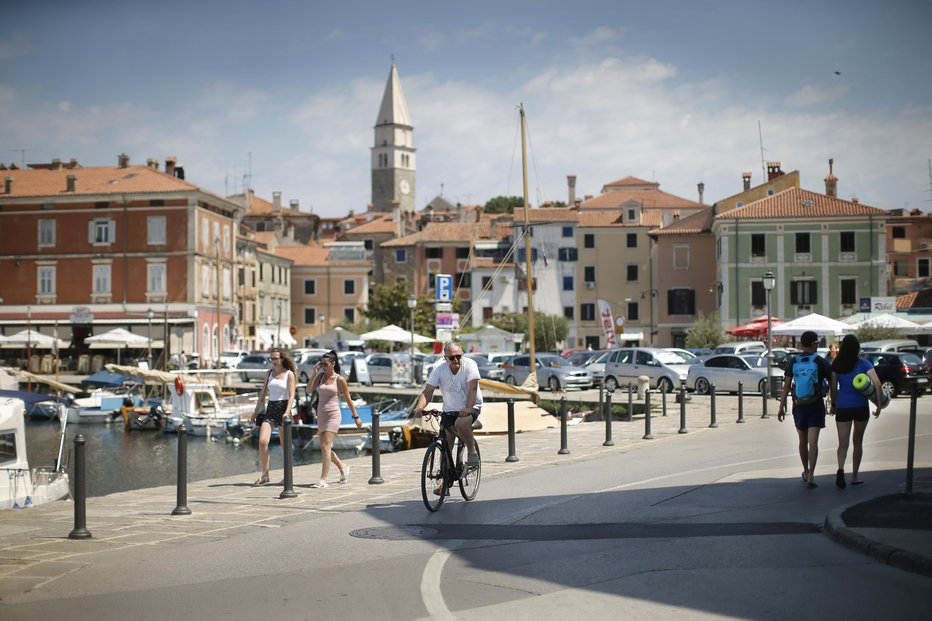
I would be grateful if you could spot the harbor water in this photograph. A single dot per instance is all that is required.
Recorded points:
(117, 460)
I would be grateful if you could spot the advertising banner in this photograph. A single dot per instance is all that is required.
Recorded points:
(608, 326)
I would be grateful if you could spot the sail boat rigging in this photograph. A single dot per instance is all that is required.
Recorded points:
(527, 251)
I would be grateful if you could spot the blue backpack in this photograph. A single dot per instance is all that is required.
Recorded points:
(806, 384)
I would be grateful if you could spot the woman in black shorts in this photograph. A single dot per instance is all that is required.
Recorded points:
(279, 388)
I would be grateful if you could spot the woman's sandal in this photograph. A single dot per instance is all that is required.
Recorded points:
(261, 481)
(840, 478)
(345, 477)
(319, 485)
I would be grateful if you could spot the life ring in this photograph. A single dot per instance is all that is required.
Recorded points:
(179, 386)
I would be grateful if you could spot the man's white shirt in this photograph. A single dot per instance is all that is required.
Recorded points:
(454, 388)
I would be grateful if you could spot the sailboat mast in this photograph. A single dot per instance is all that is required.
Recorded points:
(527, 243)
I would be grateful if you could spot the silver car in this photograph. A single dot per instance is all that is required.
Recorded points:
(665, 369)
(724, 371)
(552, 372)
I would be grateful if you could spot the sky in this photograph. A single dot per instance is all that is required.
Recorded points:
(283, 96)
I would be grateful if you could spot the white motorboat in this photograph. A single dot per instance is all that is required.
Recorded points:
(202, 411)
(26, 486)
(101, 406)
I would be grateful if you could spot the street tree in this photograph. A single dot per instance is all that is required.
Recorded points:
(706, 333)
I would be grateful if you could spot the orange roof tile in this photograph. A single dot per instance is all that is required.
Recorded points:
(614, 218)
(380, 223)
(314, 256)
(546, 214)
(647, 198)
(799, 203)
(438, 232)
(94, 180)
(693, 224)
(630, 181)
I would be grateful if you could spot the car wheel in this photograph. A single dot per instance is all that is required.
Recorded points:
(664, 384)
(510, 380)
(611, 384)
(703, 386)
(889, 387)
(553, 383)
(762, 386)
(303, 377)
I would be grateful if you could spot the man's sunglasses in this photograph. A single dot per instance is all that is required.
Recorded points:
(455, 358)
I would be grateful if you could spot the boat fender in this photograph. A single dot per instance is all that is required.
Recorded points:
(179, 386)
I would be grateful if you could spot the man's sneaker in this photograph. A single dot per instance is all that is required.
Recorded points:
(438, 491)
(473, 460)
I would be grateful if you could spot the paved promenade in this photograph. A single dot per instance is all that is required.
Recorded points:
(36, 550)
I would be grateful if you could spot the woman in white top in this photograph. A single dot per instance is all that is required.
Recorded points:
(279, 388)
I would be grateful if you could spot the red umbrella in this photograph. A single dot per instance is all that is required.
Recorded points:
(755, 329)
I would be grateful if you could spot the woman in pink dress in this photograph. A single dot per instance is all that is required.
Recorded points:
(330, 385)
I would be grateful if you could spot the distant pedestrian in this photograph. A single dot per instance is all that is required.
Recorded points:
(279, 387)
(330, 386)
(182, 361)
(849, 406)
(805, 374)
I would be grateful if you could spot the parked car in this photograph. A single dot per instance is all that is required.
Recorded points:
(254, 362)
(724, 371)
(388, 368)
(487, 370)
(500, 357)
(306, 360)
(232, 357)
(582, 358)
(665, 369)
(897, 369)
(552, 372)
(924, 353)
(596, 365)
(688, 356)
(889, 345)
(739, 347)
(346, 361)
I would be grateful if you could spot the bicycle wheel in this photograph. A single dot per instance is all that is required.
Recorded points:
(469, 476)
(432, 475)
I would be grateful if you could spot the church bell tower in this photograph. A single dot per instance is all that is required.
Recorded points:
(393, 154)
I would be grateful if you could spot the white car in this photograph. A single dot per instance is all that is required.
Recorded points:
(231, 357)
(665, 369)
(724, 371)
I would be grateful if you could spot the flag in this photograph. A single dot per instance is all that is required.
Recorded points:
(608, 325)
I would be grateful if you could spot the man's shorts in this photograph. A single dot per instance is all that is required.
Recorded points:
(449, 418)
(811, 415)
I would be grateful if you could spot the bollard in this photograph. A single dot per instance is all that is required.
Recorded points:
(712, 422)
(376, 478)
(80, 492)
(663, 399)
(911, 443)
(763, 396)
(181, 507)
(511, 432)
(647, 434)
(563, 450)
(740, 402)
(608, 417)
(287, 453)
(601, 398)
(683, 408)
(630, 404)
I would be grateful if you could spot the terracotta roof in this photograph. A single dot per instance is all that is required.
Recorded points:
(648, 199)
(314, 256)
(799, 203)
(915, 299)
(546, 214)
(693, 224)
(380, 223)
(94, 180)
(614, 218)
(438, 232)
(630, 181)
(261, 207)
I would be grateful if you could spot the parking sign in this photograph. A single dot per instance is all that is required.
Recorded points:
(443, 283)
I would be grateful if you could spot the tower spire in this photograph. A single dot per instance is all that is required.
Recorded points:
(393, 153)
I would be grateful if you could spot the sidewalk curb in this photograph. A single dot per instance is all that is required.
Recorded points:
(838, 532)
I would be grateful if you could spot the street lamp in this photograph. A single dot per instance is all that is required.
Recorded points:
(412, 302)
(150, 314)
(769, 282)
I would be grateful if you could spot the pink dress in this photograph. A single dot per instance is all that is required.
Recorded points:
(328, 407)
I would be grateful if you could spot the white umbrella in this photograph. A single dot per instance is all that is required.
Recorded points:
(394, 334)
(886, 320)
(118, 337)
(31, 338)
(820, 324)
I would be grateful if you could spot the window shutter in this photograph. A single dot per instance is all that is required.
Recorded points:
(111, 236)
(90, 232)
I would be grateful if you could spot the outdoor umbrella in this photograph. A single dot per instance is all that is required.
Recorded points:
(886, 320)
(31, 338)
(755, 329)
(118, 339)
(820, 324)
(394, 334)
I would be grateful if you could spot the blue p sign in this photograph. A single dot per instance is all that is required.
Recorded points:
(443, 283)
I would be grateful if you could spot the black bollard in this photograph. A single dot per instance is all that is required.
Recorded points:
(288, 491)
(608, 418)
(663, 399)
(376, 478)
(683, 408)
(740, 402)
(647, 434)
(911, 445)
(630, 404)
(712, 422)
(763, 396)
(511, 432)
(601, 398)
(181, 507)
(80, 492)
(563, 450)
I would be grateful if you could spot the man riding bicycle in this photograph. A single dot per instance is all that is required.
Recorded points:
(458, 380)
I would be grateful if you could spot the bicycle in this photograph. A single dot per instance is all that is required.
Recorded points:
(439, 470)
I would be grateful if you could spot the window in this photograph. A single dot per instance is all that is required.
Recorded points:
(310, 287)
(567, 254)
(899, 268)
(155, 278)
(367, 244)
(226, 283)
(567, 231)
(898, 232)
(803, 292)
(567, 283)
(758, 245)
(849, 291)
(632, 272)
(758, 293)
(155, 227)
(310, 315)
(589, 240)
(8, 448)
(634, 311)
(487, 312)
(433, 252)
(101, 284)
(681, 302)
(226, 239)
(463, 280)
(401, 256)
(46, 232)
(632, 214)
(681, 257)
(47, 280)
(922, 267)
(587, 312)
(522, 254)
(847, 241)
(102, 232)
(205, 280)
(589, 273)
(568, 312)
(350, 314)
(802, 243)
(462, 253)
(349, 287)
(486, 283)
(632, 240)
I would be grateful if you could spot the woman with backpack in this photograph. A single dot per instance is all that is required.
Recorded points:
(849, 406)
(806, 372)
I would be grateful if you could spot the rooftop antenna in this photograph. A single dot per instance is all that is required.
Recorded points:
(928, 200)
(441, 188)
(760, 137)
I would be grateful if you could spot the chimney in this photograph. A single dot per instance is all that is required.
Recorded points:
(571, 184)
(8, 185)
(276, 201)
(71, 179)
(74, 163)
(170, 161)
(152, 163)
(587, 197)
(701, 191)
(856, 200)
(746, 177)
(123, 160)
(56, 164)
(831, 182)
(773, 171)
(293, 203)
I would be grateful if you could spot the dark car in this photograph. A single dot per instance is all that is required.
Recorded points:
(924, 353)
(897, 370)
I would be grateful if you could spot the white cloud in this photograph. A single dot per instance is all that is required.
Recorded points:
(813, 94)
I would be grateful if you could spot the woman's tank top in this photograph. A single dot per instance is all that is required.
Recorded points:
(278, 387)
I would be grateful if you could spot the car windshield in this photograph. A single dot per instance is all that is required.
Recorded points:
(756, 361)
(482, 361)
(549, 360)
(910, 358)
(671, 357)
